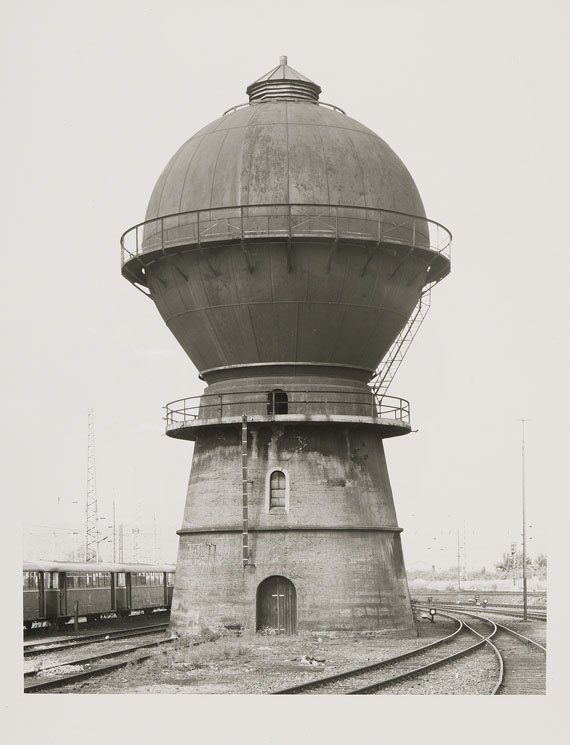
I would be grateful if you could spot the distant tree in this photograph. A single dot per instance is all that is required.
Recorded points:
(512, 561)
(507, 563)
(540, 564)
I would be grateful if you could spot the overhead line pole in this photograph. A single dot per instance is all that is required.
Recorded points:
(523, 525)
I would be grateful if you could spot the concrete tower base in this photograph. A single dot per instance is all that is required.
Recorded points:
(327, 557)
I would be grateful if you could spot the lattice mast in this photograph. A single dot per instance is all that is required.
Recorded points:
(92, 529)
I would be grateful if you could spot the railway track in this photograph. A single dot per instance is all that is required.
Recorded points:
(393, 669)
(538, 615)
(46, 647)
(520, 665)
(94, 666)
(522, 661)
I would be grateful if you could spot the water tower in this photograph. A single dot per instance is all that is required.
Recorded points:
(287, 249)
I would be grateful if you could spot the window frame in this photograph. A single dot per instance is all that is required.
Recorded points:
(273, 404)
(281, 509)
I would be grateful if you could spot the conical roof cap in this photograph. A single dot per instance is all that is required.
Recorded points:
(283, 83)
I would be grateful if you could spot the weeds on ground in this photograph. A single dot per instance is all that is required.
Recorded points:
(203, 650)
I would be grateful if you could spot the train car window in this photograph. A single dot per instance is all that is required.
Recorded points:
(106, 579)
(76, 579)
(121, 579)
(51, 580)
(31, 580)
(170, 578)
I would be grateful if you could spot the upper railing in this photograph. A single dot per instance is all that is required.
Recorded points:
(337, 222)
(301, 403)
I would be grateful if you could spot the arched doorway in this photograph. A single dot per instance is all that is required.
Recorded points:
(277, 605)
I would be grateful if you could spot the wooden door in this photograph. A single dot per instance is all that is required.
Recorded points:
(277, 605)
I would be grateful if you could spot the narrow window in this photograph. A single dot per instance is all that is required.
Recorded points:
(277, 402)
(277, 487)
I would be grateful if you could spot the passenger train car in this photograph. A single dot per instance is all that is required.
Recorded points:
(55, 591)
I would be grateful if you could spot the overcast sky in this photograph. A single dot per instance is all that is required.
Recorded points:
(474, 99)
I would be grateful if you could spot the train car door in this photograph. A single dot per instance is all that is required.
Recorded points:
(41, 595)
(62, 584)
(128, 586)
(277, 605)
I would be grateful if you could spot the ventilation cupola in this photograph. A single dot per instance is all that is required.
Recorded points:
(285, 84)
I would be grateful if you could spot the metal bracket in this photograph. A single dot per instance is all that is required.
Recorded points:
(250, 268)
(367, 262)
(204, 255)
(401, 264)
(331, 254)
(289, 256)
(179, 270)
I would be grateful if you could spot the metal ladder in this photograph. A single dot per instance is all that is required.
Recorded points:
(392, 360)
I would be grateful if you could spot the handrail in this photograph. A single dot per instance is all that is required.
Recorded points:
(301, 402)
(266, 100)
(284, 220)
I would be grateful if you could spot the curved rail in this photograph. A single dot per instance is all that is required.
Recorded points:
(289, 221)
(329, 679)
(511, 632)
(378, 685)
(537, 615)
(300, 403)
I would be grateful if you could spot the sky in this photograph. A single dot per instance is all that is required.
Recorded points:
(472, 97)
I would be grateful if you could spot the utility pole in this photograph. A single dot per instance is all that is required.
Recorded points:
(458, 563)
(135, 552)
(154, 539)
(114, 533)
(121, 543)
(464, 552)
(523, 527)
(92, 525)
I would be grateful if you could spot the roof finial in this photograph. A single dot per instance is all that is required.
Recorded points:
(283, 83)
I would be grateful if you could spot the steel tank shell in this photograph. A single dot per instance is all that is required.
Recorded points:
(322, 308)
(281, 152)
(318, 300)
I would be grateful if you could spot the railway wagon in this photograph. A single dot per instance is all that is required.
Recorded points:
(53, 590)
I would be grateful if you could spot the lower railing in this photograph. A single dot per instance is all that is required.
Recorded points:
(303, 403)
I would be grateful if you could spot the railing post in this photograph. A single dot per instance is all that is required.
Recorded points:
(220, 396)
(336, 212)
(241, 219)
